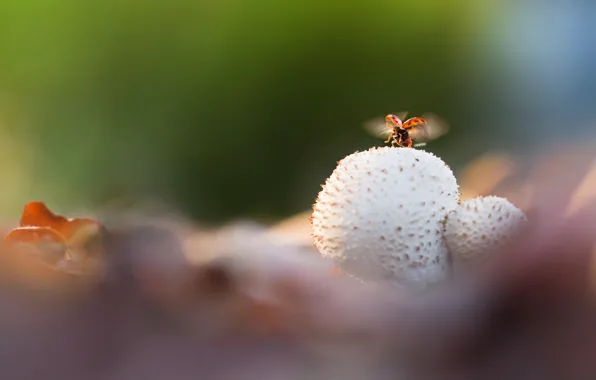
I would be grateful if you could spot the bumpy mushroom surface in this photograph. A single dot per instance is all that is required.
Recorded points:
(379, 214)
(481, 225)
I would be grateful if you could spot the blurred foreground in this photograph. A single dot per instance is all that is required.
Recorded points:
(253, 302)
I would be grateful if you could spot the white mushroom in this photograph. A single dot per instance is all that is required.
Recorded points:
(481, 225)
(379, 215)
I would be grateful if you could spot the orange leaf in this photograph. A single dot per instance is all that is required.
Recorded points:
(37, 214)
(78, 231)
(35, 235)
(39, 241)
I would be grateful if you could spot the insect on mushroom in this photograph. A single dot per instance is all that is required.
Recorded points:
(404, 133)
(354, 222)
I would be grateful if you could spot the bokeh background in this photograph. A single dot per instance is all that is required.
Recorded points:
(240, 108)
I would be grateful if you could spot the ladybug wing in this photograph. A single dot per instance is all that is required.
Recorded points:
(377, 126)
(433, 127)
(402, 115)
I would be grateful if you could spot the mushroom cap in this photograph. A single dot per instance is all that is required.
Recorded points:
(379, 214)
(481, 225)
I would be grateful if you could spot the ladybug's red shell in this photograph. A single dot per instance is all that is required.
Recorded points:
(412, 122)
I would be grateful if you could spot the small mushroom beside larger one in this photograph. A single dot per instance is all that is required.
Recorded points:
(379, 214)
(480, 226)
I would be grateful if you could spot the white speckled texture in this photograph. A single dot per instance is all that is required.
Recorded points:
(379, 215)
(481, 225)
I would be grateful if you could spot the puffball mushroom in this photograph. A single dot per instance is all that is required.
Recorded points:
(481, 225)
(379, 214)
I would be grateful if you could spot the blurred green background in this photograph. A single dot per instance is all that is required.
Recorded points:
(228, 108)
